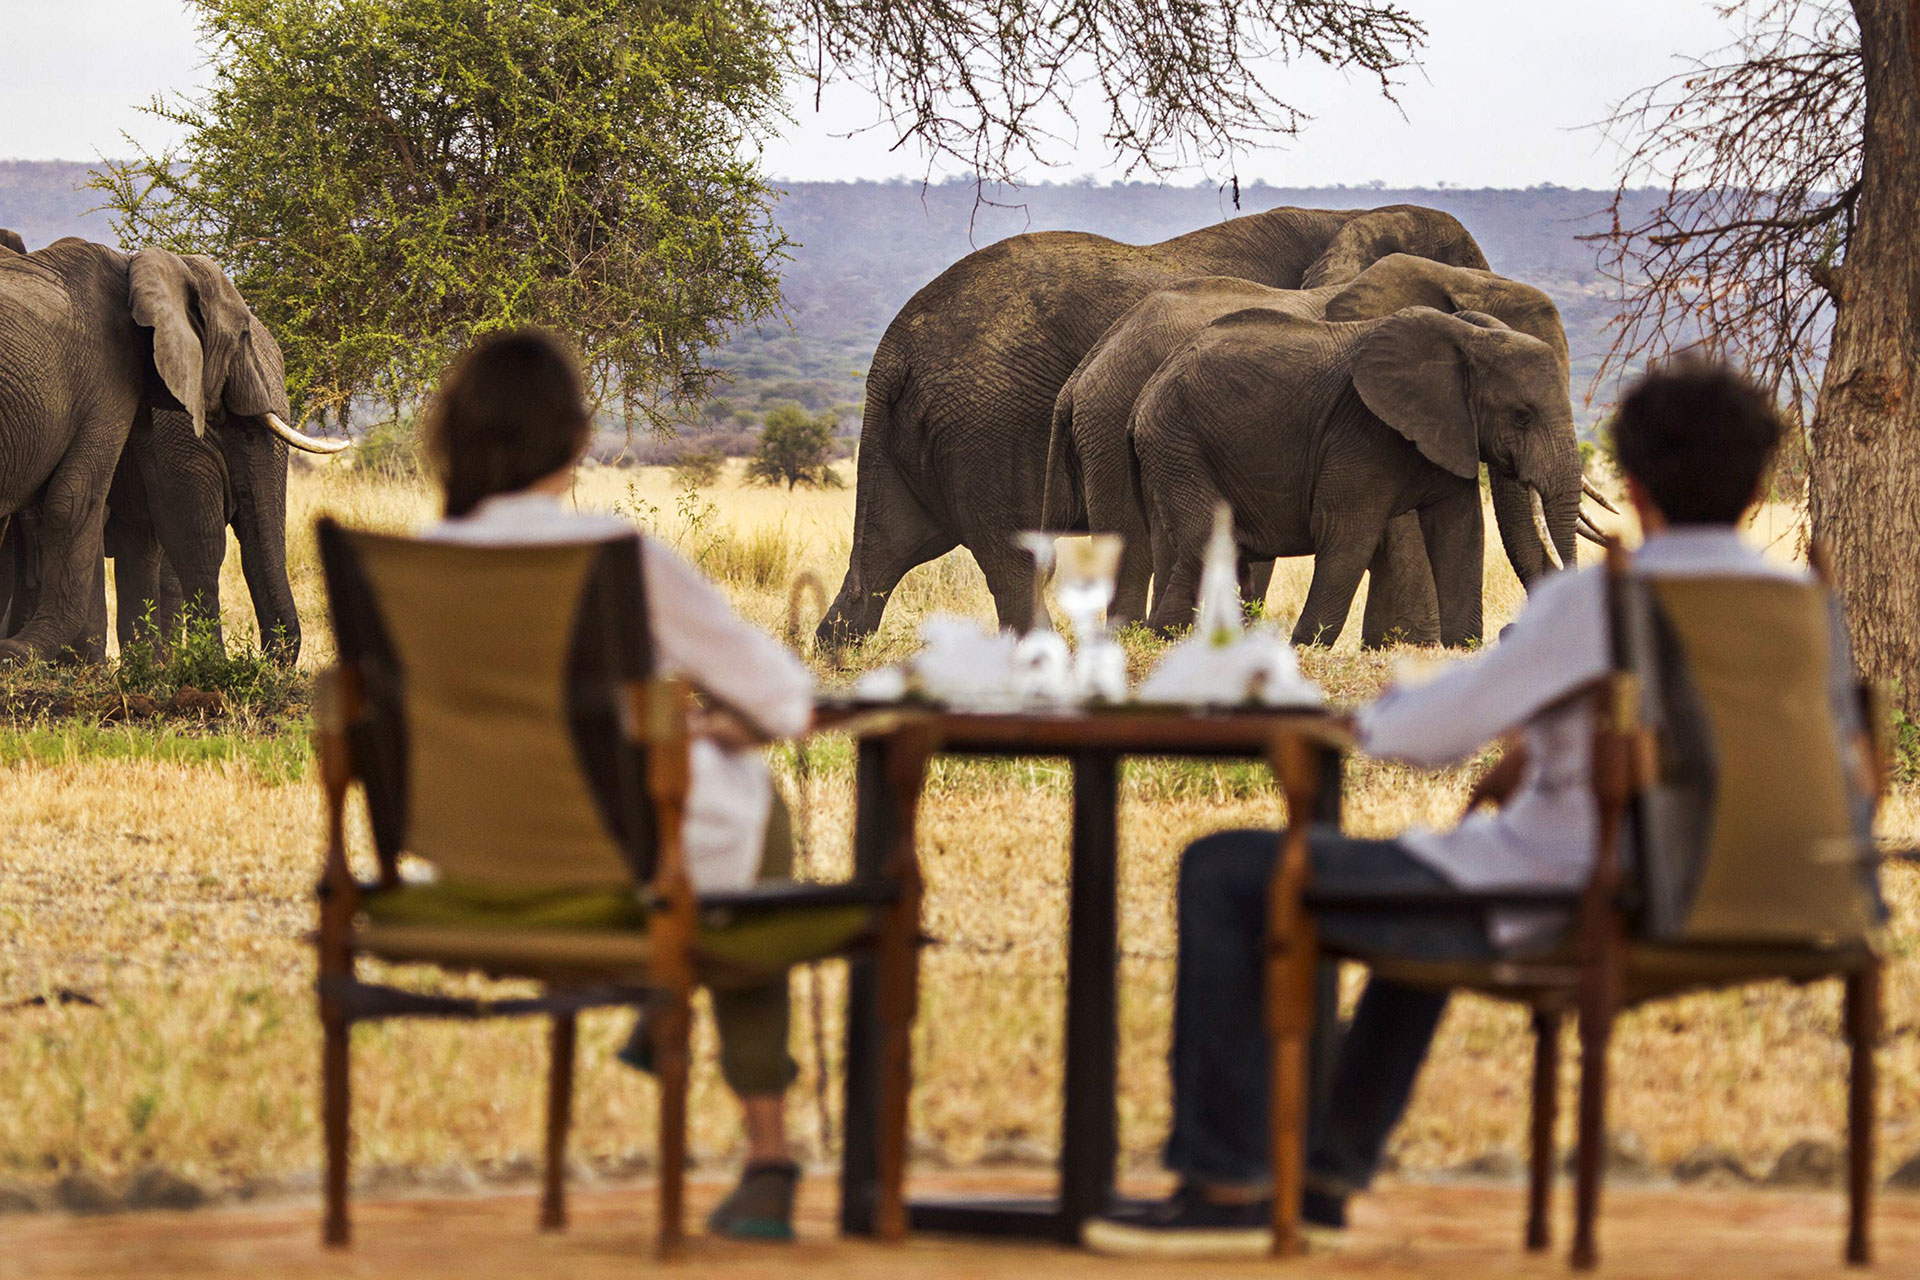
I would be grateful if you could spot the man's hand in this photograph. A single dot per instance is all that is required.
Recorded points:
(1498, 783)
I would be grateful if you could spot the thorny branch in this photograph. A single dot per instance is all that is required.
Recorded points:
(1180, 82)
(1759, 151)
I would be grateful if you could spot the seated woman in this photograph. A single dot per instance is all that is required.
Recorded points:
(504, 435)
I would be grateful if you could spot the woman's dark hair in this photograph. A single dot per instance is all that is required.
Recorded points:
(1698, 437)
(509, 412)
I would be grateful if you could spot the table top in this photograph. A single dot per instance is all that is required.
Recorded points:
(1132, 728)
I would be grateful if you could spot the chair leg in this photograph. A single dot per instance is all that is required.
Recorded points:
(336, 1041)
(1863, 1034)
(553, 1200)
(1596, 1029)
(1546, 1097)
(670, 1029)
(899, 980)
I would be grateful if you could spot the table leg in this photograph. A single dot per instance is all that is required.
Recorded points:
(859, 1157)
(1324, 1050)
(1089, 1141)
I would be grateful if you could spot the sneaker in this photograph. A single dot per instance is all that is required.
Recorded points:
(1184, 1225)
(761, 1207)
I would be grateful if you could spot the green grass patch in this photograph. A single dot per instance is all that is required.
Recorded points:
(278, 757)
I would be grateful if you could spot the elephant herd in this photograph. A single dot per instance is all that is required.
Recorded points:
(143, 412)
(1338, 378)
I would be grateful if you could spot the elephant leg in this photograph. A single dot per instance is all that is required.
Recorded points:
(170, 602)
(136, 565)
(1126, 515)
(1256, 579)
(1401, 605)
(71, 553)
(1341, 550)
(1455, 533)
(91, 645)
(1009, 574)
(892, 533)
(1180, 542)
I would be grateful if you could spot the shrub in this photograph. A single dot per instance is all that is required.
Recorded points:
(698, 468)
(390, 449)
(762, 557)
(795, 449)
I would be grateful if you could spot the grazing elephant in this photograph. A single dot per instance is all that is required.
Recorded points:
(1092, 475)
(96, 340)
(1317, 434)
(953, 443)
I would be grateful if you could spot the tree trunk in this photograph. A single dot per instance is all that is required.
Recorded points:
(1865, 490)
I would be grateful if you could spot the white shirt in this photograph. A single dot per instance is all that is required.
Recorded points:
(697, 635)
(1544, 835)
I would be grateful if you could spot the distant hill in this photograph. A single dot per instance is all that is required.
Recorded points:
(863, 248)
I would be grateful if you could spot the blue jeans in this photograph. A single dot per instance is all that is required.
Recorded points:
(1220, 1051)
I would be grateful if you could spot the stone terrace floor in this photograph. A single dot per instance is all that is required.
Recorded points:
(1405, 1230)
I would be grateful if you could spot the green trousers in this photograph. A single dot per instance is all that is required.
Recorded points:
(754, 1022)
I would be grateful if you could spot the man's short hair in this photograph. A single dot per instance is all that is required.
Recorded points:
(1698, 437)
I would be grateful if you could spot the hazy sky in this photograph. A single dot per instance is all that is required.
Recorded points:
(1505, 89)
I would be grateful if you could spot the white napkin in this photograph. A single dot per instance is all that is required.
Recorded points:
(964, 664)
(1257, 666)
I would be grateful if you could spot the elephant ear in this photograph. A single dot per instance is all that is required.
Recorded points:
(1411, 371)
(199, 324)
(1407, 280)
(1401, 228)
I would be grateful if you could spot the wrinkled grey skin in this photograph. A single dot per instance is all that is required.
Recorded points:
(1092, 475)
(92, 340)
(953, 444)
(1317, 434)
(173, 498)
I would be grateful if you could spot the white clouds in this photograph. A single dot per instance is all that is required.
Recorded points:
(1505, 89)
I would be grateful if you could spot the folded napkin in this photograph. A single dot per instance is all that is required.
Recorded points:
(1256, 666)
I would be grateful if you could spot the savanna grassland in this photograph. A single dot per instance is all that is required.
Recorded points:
(163, 870)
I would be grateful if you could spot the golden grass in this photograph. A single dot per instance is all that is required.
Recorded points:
(177, 897)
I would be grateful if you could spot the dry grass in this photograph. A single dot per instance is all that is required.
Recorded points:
(176, 895)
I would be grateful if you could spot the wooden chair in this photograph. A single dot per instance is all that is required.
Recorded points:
(1731, 851)
(498, 707)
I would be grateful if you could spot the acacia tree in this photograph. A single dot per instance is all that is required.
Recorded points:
(1786, 241)
(795, 449)
(386, 178)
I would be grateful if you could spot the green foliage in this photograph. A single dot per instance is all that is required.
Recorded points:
(698, 469)
(195, 657)
(795, 449)
(384, 179)
(391, 448)
(1906, 748)
(277, 757)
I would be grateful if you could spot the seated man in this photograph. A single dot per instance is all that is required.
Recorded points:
(1695, 444)
(506, 430)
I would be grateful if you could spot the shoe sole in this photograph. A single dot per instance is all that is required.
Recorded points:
(1120, 1240)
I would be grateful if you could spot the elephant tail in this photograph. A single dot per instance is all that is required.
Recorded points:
(1064, 508)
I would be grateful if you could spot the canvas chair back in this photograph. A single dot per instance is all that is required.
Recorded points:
(1749, 831)
(492, 743)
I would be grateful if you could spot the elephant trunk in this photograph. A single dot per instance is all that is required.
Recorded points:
(260, 525)
(1561, 515)
(1514, 516)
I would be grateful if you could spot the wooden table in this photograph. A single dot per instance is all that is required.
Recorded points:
(1093, 743)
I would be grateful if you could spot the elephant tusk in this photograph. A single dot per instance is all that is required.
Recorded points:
(1540, 528)
(1590, 531)
(278, 426)
(1592, 490)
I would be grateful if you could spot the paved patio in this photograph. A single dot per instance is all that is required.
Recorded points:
(1404, 1231)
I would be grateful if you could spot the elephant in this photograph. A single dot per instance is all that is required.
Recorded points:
(1317, 433)
(1092, 477)
(98, 340)
(173, 498)
(953, 439)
